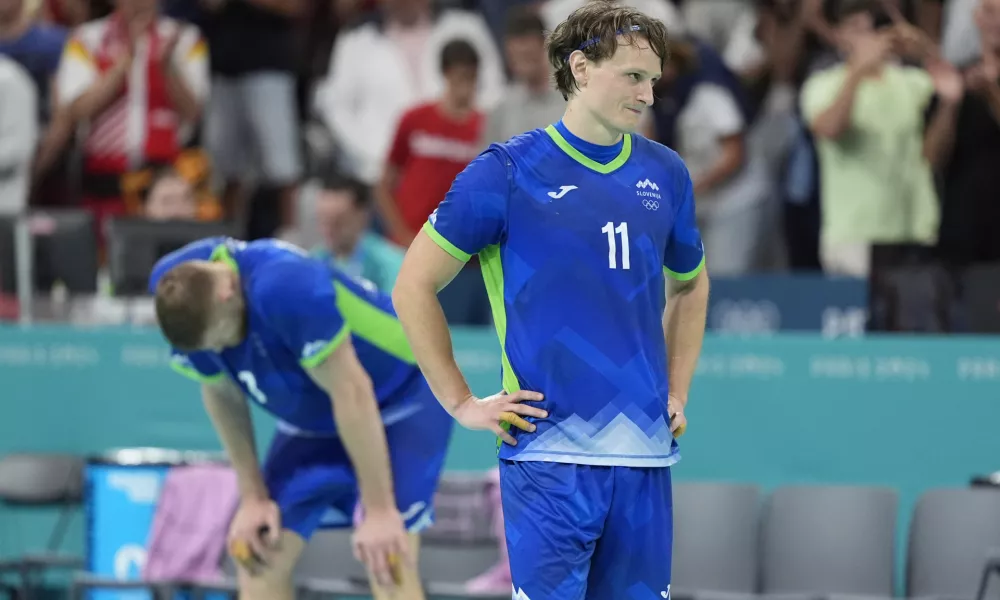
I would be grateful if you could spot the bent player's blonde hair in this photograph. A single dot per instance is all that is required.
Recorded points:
(185, 300)
(595, 30)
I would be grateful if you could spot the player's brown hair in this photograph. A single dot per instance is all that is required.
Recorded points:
(185, 299)
(595, 29)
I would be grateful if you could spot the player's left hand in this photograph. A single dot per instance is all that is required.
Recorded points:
(678, 422)
(380, 542)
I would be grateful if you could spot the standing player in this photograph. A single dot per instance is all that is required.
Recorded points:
(324, 354)
(576, 227)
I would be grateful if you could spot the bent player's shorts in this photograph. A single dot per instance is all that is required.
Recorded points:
(314, 484)
(581, 532)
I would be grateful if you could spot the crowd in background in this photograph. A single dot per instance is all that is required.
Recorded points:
(814, 130)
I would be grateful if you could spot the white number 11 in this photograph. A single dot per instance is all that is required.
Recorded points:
(611, 230)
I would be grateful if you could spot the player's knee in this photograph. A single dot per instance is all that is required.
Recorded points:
(272, 579)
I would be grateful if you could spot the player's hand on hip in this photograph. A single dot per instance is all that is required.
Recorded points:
(381, 542)
(488, 413)
(254, 533)
(678, 422)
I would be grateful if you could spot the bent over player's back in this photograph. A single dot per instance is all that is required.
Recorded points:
(298, 312)
(574, 252)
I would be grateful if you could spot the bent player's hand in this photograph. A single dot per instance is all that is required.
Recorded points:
(380, 542)
(488, 413)
(254, 533)
(678, 422)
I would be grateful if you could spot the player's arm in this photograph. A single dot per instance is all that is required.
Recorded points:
(229, 412)
(359, 423)
(687, 296)
(471, 217)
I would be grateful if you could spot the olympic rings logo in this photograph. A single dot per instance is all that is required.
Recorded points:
(650, 204)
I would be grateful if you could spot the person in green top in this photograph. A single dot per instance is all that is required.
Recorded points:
(344, 216)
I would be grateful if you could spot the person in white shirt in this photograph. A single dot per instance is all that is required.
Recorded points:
(390, 64)
(18, 134)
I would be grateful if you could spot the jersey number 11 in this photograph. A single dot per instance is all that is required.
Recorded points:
(621, 230)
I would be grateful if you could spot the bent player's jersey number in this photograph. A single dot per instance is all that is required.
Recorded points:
(251, 382)
(622, 230)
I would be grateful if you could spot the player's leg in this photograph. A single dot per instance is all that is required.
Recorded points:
(553, 516)
(274, 581)
(310, 480)
(418, 446)
(632, 559)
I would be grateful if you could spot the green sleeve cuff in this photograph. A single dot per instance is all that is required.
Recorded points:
(686, 276)
(314, 360)
(445, 245)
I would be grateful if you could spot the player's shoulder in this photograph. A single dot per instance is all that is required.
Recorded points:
(658, 156)
(528, 147)
(202, 249)
(276, 270)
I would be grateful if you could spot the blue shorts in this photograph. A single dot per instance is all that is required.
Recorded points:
(581, 532)
(313, 482)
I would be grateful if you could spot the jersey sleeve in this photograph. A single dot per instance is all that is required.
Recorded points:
(197, 366)
(685, 254)
(399, 153)
(473, 215)
(298, 299)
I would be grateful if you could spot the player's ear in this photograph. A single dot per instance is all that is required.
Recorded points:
(579, 67)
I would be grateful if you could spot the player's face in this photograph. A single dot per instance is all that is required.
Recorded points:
(229, 319)
(619, 89)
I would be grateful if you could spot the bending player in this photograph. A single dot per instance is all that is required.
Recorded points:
(262, 322)
(587, 239)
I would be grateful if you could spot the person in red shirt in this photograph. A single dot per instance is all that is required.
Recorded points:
(433, 143)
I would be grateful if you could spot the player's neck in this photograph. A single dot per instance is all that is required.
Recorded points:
(588, 129)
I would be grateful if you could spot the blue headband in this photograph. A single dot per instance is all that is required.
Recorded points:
(595, 40)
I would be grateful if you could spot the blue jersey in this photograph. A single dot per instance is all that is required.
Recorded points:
(298, 311)
(574, 253)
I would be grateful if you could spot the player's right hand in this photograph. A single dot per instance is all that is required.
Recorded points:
(488, 413)
(254, 532)
(380, 542)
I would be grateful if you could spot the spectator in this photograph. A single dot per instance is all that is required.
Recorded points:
(252, 112)
(18, 134)
(970, 211)
(531, 101)
(868, 118)
(388, 65)
(703, 113)
(134, 80)
(170, 197)
(344, 213)
(36, 46)
(433, 143)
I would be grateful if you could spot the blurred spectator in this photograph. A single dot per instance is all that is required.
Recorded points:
(252, 115)
(134, 81)
(344, 213)
(433, 143)
(874, 156)
(970, 211)
(18, 134)
(388, 65)
(36, 46)
(715, 21)
(554, 12)
(531, 101)
(960, 43)
(170, 197)
(703, 113)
